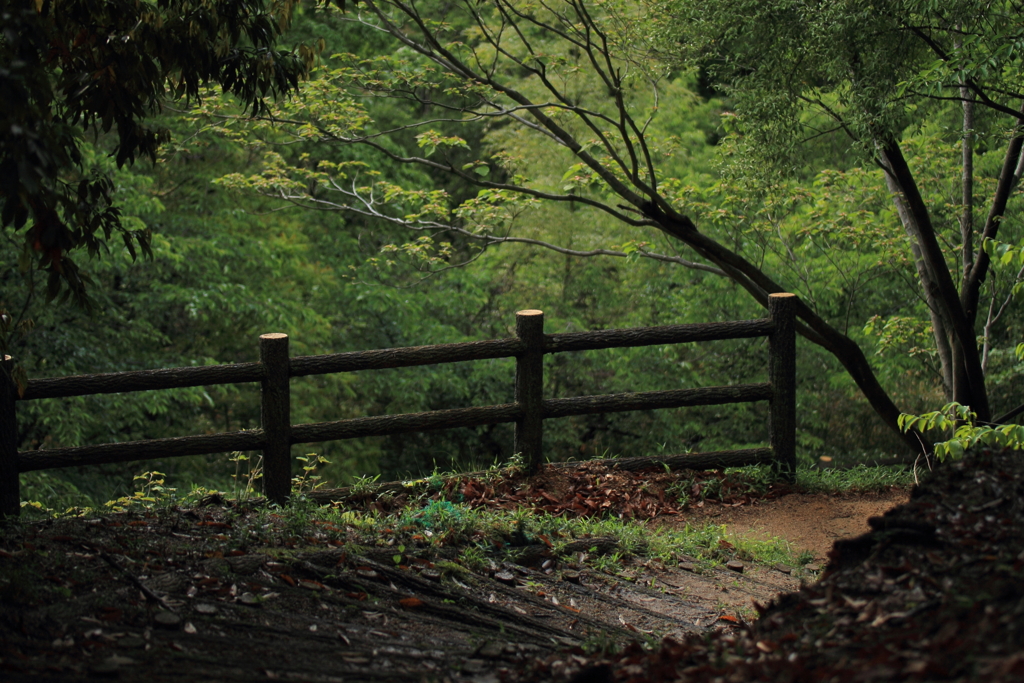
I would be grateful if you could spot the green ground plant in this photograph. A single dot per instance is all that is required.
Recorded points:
(248, 471)
(862, 478)
(44, 494)
(151, 491)
(309, 479)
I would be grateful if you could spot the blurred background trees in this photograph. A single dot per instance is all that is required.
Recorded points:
(408, 194)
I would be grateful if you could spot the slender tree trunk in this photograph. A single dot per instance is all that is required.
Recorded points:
(968, 378)
(967, 179)
(1009, 177)
(961, 382)
(940, 332)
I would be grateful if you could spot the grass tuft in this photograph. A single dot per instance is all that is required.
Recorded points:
(863, 478)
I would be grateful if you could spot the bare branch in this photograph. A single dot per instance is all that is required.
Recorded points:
(444, 57)
(994, 316)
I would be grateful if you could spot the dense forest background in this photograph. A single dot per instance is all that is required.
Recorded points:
(284, 222)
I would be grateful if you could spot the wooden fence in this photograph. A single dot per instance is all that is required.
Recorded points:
(529, 410)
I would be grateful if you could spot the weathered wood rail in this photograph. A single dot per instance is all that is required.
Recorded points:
(277, 435)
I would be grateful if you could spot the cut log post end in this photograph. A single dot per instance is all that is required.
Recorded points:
(782, 377)
(529, 429)
(276, 417)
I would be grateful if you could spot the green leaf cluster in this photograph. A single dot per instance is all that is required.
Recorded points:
(966, 434)
(77, 66)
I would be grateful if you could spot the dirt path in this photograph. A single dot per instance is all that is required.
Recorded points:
(186, 595)
(932, 593)
(809, 521)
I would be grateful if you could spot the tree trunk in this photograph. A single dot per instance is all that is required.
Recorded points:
(939, 330)
(816, 330)
(967, 182)
(968, 378)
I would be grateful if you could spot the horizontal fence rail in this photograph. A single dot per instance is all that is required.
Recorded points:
(650, 336)
(405, 358)
(151, 449)
(530, 409)
(653, 400)
(142, 380)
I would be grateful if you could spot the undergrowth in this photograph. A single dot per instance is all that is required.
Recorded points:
(481, 535)
(477, 538)
(863, 478)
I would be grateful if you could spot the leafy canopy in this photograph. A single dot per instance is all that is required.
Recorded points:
(68, 67)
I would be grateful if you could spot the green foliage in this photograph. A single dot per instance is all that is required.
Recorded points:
(79, 66)
(826, 229)
(962, 422)
(822, 93)
(861, 478)
(333, 229)
(151, 491)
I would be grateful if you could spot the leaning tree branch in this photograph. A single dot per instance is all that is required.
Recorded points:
(817, 330)
(368, 208)
(1006, 417)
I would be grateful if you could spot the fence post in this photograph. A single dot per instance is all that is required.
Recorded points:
(10, 489)
(275, 413)
(782, 376)
(530, 387)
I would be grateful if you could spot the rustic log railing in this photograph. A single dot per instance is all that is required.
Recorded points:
(529, 411)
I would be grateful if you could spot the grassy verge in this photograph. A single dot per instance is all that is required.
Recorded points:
(483, 535)
(478, 537)
(862, 478)
(474, 537)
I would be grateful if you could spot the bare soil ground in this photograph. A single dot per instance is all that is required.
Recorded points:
(934, 592)
(220, 593)
(810, 522)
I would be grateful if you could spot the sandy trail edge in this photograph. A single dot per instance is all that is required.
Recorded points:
(809, 521)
